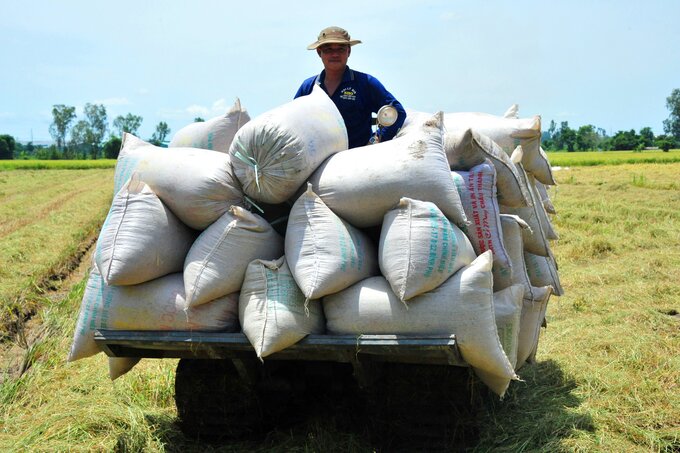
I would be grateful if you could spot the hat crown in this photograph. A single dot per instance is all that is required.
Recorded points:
(333, 32)
(333, 35)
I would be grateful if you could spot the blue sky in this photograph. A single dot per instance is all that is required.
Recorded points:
(607, 63)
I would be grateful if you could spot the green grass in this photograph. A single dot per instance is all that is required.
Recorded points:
(607, 377)
(593, 158)
(45, 217)
(56, 164)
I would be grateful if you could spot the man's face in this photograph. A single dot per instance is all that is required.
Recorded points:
(334, 56)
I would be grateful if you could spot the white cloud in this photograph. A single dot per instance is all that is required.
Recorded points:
(143, 91)
(197, 110)
(219, 107)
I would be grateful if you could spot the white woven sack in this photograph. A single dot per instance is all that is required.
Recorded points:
(141, 238)
(512, 227)
(325, 253)
(118, 366)
(507, 307)
(462, 306)
(541, 168)
(215, 134)
(506, 132)
(196, 184)
(512, 112)
(362, 184)
(155, 305)
(272, 308)
(541, 212)
(420, 248)
(544, 196)
(274, 154)
(477, 189)
(533, 314)
(465, 149)
(534, 238)
(413, 122)
(216, 263)
(542, 271)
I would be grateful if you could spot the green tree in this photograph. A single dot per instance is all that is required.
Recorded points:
(7, 147)
(198, 119)
(671, 125)
(161, 133)
(78, 144)
(665, 142)
(566, 137)
(62, 117)
(547, 137)
(97, 126)
(29, 148)
(112, 148)
(646, 137)
(129, 123)
(625, 140)
(587, 138)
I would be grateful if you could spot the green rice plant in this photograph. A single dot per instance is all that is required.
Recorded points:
(56, 164)
(639, 180)
(594, 158)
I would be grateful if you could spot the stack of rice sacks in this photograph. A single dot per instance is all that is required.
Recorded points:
(286, 233)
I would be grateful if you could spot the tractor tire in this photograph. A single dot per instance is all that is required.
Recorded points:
(422, 408)
(213, 402)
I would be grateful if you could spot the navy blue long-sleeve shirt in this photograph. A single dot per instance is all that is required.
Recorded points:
(357, 97)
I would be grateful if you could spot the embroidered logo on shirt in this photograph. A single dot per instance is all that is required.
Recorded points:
(348, 94)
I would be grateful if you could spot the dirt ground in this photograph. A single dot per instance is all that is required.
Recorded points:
(15, 353)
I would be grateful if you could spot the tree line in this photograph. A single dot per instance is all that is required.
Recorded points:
(86, 138)
(591, 138)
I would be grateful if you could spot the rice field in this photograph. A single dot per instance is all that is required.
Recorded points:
(580, 159)
(56, 164)
(607, 376)
(46, 217)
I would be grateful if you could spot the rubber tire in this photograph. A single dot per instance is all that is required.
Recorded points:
(213, 402)
(422, 408)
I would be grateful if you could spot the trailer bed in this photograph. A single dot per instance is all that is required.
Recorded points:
(432, 349)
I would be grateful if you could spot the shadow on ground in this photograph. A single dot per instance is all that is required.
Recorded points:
(411, 408)
(536, 415)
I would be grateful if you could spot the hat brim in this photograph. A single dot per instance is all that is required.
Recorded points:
(317, 44)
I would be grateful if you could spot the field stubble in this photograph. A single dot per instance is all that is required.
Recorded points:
(607, 377)
(46, 219)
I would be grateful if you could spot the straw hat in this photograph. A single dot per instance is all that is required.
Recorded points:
(333, 35)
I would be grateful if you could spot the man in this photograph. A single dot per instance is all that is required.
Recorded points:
(356, 94)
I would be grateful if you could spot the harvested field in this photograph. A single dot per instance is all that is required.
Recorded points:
(607, 376)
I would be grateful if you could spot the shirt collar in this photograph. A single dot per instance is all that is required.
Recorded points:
(347, 76)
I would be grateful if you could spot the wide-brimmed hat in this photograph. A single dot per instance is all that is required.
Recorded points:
(333, 35)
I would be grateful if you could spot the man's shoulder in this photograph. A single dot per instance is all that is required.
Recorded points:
(310, 80)
(307, 85)
(365, 77)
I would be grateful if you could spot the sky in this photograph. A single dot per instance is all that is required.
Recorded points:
(609, 63)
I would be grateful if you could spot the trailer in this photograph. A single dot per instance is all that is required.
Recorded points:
(223, 390)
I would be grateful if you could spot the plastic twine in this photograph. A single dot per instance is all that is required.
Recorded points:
(253, 204)
(250, 161)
